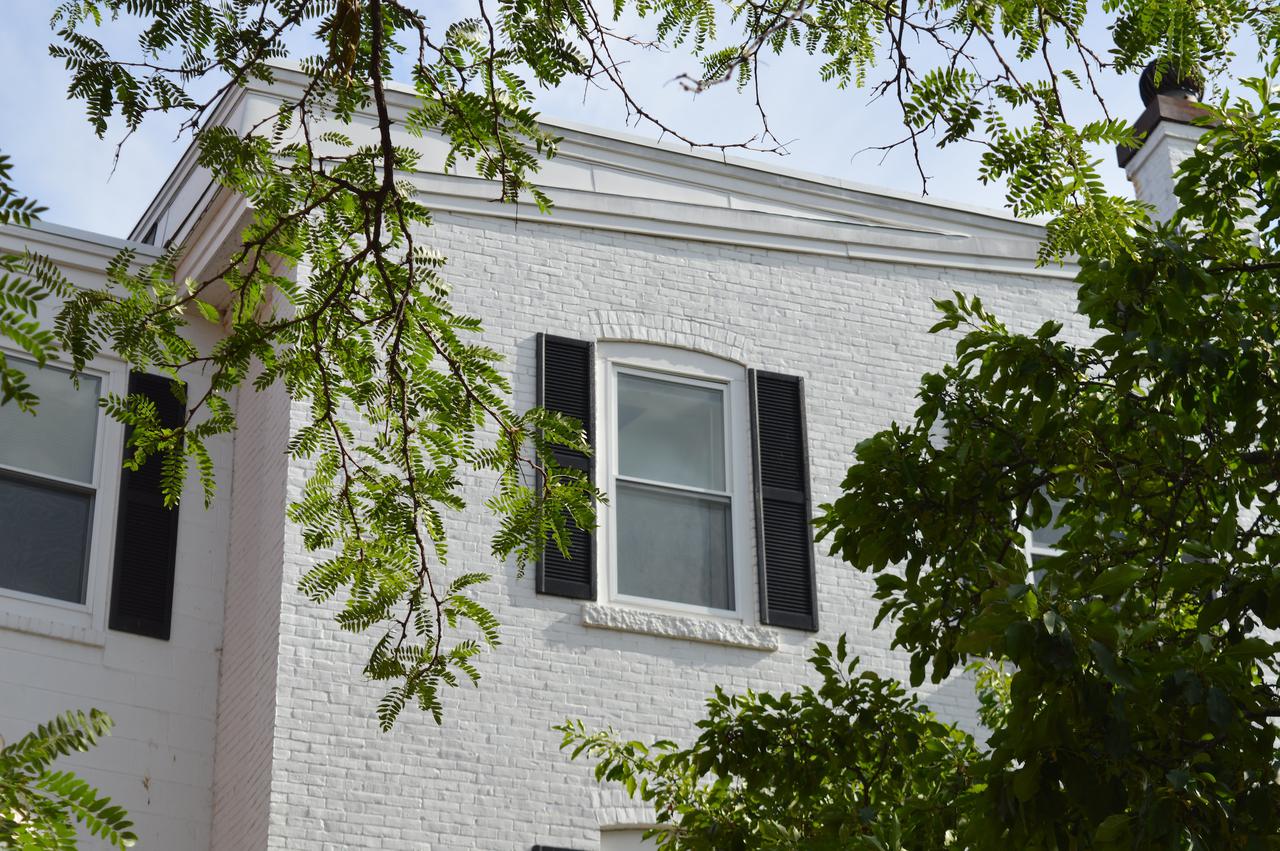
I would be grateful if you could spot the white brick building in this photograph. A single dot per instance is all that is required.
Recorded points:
(251, 727)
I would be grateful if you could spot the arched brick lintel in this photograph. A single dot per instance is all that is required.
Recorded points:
(634, 326)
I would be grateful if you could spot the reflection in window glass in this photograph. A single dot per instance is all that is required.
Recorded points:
(670, 432)
(45, 535)
(674, 546)
(59, 440)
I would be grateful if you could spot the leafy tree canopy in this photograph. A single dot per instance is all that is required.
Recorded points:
(853, 765)
(404, 402)
(1138, 707)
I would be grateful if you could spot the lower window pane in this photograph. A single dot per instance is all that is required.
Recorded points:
(673, 546)
(45, 536)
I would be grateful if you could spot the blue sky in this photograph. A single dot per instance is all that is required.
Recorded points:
(59, 161)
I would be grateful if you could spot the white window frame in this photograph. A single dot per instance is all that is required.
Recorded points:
(113, 375)
(697, 369)
(1031, 549)
(1034, 549)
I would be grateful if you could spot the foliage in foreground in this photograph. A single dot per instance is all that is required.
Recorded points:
(20, 296)
(399, 398)
(40, 808)
(403, 403)
(854, 765)
(1139, 711)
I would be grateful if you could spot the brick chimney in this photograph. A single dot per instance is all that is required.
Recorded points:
(1167, 137)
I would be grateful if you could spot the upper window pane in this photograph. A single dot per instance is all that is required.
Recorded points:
(59, 439)
(671, 432)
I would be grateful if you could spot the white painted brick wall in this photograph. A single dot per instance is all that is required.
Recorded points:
(492, 777)
(1153, 168)
(246, 698)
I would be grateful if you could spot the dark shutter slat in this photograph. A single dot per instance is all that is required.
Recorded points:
(146, 532)
(566, 385)
(566, 372)
(784, 538)
(778, 407)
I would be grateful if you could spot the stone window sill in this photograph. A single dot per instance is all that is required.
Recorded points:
(689, 628)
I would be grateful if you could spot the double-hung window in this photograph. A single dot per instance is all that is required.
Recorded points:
(696, 452)
(674, 533)
(51, 480)
(676, 460)
(73, 524)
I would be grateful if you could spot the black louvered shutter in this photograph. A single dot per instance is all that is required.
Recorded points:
(146, 532)
(566, 385)
(784, 537)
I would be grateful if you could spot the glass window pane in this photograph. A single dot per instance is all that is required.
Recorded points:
(45, 534)
(59, 439)
(1048, 536)
(671, 432)
(674, 546)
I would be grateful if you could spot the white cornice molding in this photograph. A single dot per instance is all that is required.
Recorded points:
(291, 81)
(214, 234)
(70, 247)
(729, 201)
(187, 167)
(742, 228)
